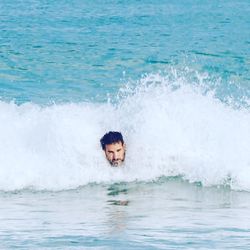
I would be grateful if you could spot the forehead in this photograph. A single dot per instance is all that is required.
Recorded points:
(114, 146)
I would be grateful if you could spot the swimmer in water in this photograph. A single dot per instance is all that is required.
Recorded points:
(114, 148)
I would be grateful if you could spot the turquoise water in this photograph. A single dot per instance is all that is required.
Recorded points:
(80, 50)
(173, 77)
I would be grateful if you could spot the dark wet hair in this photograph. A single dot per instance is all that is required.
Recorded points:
(110, 138)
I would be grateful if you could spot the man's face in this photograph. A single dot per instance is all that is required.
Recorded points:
(115, 153)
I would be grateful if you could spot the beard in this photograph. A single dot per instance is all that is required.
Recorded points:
(117, 162)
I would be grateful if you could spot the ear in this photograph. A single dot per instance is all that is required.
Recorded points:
(124, 146)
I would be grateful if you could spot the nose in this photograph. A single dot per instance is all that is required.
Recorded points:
(115, 155)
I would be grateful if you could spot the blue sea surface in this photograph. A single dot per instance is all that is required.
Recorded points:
(172, 76)
(71, 51)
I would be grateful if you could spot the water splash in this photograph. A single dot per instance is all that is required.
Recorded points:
(171, 127)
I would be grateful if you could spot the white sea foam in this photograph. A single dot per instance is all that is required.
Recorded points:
(170, 129)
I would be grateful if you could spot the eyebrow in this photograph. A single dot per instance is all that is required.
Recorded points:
(111, 151)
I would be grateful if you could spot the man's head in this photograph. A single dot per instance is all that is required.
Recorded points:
(114, 147)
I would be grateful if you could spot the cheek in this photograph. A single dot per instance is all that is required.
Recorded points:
(122, 154)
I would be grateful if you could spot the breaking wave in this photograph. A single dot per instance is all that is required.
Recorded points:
(170, 127)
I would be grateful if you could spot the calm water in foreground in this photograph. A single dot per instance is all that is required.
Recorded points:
(167, 214)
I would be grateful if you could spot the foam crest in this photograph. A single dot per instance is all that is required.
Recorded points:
(171, 128)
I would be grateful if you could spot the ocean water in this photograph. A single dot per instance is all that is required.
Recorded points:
(172, 76)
